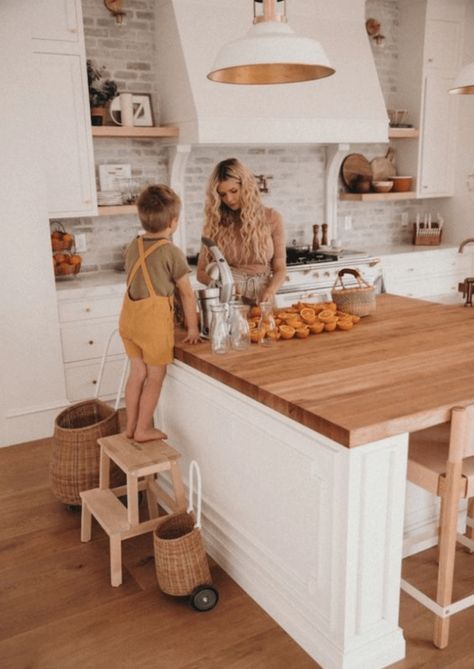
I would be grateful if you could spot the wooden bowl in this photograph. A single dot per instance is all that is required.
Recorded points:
(402, 184)
(382, 186)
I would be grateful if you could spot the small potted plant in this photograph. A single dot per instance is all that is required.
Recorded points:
(101, 91)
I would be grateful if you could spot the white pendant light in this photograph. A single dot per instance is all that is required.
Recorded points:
(464, 82)
(270, 53)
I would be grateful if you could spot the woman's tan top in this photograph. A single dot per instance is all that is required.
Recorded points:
(275, 248)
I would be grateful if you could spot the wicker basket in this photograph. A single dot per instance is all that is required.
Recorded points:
(358, 300)
(74, 462)
(180, 559)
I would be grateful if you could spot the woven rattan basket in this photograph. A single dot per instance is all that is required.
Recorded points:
(74, 464)
(358, 300)
(180, 559)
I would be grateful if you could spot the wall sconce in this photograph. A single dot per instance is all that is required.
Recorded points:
(373, 30)
(115, 8)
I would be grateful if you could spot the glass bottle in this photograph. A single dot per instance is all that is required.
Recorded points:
(239, 326)
(219, 332)
(267, 326)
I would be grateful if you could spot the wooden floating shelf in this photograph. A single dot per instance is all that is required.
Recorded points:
(139, 132)
(376, 197)
(403, 133)
(117, 210)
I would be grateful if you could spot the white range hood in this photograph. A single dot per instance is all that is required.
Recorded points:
(346, 107)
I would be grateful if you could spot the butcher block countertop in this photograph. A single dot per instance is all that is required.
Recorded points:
(399, 370)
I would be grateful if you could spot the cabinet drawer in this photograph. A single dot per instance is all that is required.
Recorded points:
(74, 310)
(81, 380)
(83, 341)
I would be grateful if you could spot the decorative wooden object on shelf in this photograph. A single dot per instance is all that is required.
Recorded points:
(120, 131)
(117, 210)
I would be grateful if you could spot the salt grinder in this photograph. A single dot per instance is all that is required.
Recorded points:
(324, 238)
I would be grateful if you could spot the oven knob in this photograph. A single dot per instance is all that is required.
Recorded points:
(327, 273)
(316, 275)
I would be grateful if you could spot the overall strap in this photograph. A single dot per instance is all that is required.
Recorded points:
(141, 263)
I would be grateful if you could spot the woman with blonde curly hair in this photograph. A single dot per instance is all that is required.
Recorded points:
(250, 235)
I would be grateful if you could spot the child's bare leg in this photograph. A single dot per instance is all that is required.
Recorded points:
(145, 431)
(133, 391)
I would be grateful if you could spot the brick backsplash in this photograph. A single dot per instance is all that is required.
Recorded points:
(297, 186)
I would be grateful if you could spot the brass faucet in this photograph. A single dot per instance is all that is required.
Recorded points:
(463, 244)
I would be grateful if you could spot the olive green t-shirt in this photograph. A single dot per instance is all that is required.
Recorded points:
(166, 265)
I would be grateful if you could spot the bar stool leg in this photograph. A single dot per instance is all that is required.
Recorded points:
(115, 560)
(447, 554)
(470, 518)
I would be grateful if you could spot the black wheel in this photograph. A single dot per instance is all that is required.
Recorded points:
(204, 598)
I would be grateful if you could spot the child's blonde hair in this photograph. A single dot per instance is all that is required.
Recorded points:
(158, 206)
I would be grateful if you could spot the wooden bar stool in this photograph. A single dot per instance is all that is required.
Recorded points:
(142, 463)
(441, 460)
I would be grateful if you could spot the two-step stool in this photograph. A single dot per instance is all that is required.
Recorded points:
(142, 463)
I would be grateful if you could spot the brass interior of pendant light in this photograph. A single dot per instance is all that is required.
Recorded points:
(263, 55)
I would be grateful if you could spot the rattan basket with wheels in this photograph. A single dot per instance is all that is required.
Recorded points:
(74, 464)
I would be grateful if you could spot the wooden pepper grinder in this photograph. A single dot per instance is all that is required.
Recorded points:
(315, 244)
(324, 238)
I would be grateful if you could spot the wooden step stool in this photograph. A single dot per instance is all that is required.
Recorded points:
(142, 461)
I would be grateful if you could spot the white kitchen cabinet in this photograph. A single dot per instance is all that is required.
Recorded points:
(86, 325)
(430, 47)
(424, 274)
(63, 108)
(56, 20)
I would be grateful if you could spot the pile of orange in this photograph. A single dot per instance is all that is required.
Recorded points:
(303, 319)
(65, 261)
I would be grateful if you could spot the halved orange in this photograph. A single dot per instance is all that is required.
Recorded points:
(316, 328)
(303, 332)
(308, 315)
(287, 332)
(255, 311)
(355, 319)
(327, 315)
(344, 324)
(255, 335)
(330, 326)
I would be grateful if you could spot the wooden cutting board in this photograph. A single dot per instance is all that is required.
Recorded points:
(355, 166)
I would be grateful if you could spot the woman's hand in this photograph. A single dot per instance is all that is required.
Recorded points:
(267, 295)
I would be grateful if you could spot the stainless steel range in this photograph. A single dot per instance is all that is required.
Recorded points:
(311, 274)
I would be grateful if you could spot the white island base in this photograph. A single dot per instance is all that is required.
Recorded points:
(308, 528)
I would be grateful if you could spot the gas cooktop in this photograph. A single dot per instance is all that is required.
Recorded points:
(307, 257)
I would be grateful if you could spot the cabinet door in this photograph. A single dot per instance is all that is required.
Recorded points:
(55, 20)
(64, 129)
(436, 170)
(442, 44)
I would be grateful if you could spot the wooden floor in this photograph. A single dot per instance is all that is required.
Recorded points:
(58, 610)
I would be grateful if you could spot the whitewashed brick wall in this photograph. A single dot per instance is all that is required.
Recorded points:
(297, 186)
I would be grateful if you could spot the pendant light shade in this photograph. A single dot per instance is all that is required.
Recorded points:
(270, 53)
(464, 82)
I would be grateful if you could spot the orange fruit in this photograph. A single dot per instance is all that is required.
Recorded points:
(327, 315)
(56, 244)
(330, 325)
(308, 315)
(303, 332)
(345, 323)
(287, 332)
(59, 258)
(355, 319)
(255, 335)
(316, 328)
(56, 234)
(75, 259)
(255, 311)
(294, 322)
(332, 306)
(252, 325)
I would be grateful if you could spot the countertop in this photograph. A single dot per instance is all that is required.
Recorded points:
(398, 370)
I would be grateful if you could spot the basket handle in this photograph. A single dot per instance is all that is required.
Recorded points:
(100, 376)
(353, 272)
(194, 470)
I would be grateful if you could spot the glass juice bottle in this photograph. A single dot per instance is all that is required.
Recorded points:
(219, 332)
(239, 326)
(267, 326)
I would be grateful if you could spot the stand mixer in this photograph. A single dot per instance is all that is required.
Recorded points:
(219, 290)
